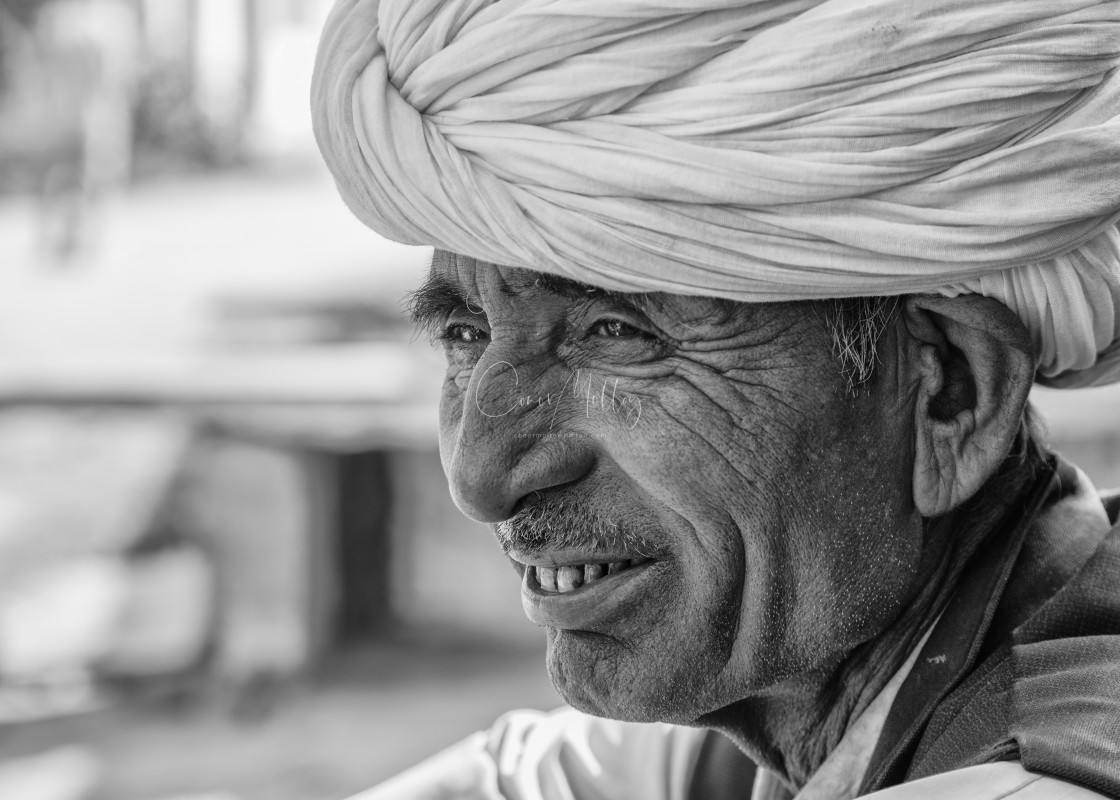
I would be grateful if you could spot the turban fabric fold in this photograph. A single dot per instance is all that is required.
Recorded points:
(758, 150)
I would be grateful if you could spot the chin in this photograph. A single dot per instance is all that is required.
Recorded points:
(601, 676)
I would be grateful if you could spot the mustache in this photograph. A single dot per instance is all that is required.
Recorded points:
(563, 523)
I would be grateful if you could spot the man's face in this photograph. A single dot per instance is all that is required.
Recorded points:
(700, 510)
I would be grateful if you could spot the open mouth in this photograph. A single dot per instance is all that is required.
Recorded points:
(569, 578)
(589, 596)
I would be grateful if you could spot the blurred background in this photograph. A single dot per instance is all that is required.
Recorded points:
(229, 567)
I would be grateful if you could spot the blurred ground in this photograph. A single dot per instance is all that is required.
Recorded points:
(368, 715)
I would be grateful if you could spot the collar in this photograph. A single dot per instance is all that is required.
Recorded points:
(841, 774)
(988, 606)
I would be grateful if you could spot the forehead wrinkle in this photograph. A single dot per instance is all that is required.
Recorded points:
(693, 310)
(515, 282)
(637, 302)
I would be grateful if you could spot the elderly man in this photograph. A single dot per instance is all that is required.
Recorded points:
(742, 301)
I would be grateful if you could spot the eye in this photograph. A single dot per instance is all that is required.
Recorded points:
(617, 329)
(460, 333)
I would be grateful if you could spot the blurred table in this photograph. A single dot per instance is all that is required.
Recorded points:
(288, 485)
(346, 398)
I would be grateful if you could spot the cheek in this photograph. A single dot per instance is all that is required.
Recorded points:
(857, 561)
(450, 417)
(712, 470)
(847, 556)
(786, 508)
(688, 451)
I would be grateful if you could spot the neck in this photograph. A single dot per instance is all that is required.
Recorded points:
(793, 729)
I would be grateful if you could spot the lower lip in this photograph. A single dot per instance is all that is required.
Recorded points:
(591, 606)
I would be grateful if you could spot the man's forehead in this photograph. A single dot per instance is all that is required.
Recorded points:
(461, 274)
(511, 280)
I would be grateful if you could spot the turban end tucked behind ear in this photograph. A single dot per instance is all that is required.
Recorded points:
(1071, 307)
(758, 151)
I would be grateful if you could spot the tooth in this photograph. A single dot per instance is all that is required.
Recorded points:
(592, 572)
(617, 566)
(568, 578)
(546, 577)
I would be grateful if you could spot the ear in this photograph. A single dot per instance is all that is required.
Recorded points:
(975, 366)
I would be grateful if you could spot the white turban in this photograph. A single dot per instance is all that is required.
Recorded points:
(758, 150)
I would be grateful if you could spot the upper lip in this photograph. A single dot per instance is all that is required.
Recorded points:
(566, 558)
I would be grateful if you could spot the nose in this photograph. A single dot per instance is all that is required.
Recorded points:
(503, 441)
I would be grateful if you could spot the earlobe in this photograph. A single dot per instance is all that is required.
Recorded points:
(974, 365)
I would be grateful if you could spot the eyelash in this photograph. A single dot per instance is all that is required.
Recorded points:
(632, 330)
(453, 333)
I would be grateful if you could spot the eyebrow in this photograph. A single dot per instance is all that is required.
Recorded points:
(642, 304)
(431, 304)
(636, 302)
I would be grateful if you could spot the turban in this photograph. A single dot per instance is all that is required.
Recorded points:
(757, 150)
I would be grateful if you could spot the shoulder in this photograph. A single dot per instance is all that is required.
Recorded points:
(988, 782)
(1065, 697)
